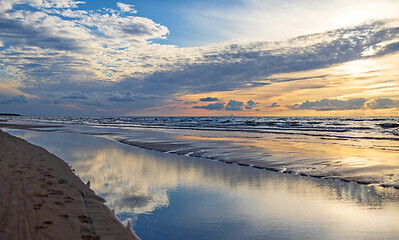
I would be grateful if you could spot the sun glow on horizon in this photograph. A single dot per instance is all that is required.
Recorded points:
(371, 79)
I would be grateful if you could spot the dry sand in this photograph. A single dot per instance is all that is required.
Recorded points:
(41, 198)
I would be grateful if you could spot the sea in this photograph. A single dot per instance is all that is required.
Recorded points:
(361, 149)
(234, 177)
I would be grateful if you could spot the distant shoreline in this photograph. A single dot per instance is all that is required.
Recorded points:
(10, 114)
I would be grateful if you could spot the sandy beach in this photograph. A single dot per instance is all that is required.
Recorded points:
(43, 199)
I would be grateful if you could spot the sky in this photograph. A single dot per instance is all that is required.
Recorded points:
(199, 58)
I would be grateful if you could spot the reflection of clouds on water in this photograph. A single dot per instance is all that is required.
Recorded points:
(346, 159)
(136, 181)
(134, 201)
(131, 184)
(22, 134)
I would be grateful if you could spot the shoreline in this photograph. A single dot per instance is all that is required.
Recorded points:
(160, 147)
(43, 199)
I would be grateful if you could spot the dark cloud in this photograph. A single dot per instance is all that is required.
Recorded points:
(190, 102)
(234, 105)
(17, 32)
(212, 106)
(94, 103)
(137, 30)
(296, 79)
(274, 105)
(250, 104)
(331, 105)
(127, 97)
(209, 99)
(382, 103)
(388, 49)
(75, 96)
(10, 100)
(350, 104)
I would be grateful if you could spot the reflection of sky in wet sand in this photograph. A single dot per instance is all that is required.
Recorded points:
(322, 158)
(342, 159)
(180, 197)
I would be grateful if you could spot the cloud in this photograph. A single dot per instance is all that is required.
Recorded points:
(11, 100)
(250, 104)
(234, 105)
(350, 104)
(127, 97)
(212, 106)
(63, 44)
(6, 5)
(242, 65)
(126, 7)
(53, 46)
(75, 96)
(331, 105)
(129, 27)
(388, 49)
(209, 99)
(273, 105)
(382, 103)
(27, 32)
(260, 20)
(190, 102)
(67, 29)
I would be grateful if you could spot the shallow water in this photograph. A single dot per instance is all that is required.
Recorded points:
(168, 196)
(364, 150)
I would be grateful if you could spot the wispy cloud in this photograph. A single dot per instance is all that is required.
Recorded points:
(259, 20)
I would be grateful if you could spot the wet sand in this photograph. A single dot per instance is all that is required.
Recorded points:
(41, 198)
